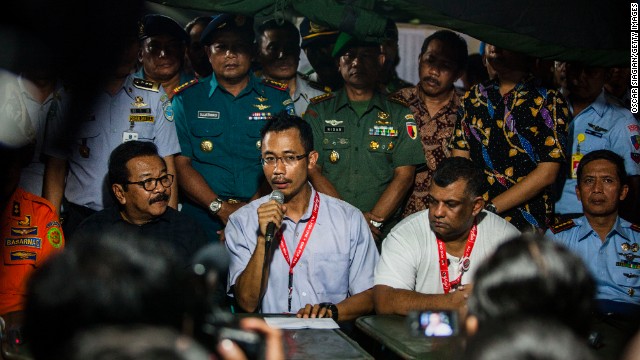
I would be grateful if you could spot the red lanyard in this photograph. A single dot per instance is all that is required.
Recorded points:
(464, 262)
(301, 245)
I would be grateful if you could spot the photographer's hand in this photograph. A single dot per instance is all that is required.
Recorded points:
(228, 350)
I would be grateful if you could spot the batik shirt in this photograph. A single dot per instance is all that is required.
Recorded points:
(435, 132)
(509, 136)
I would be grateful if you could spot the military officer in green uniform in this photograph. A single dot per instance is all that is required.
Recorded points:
(368, 143)
(218, 119)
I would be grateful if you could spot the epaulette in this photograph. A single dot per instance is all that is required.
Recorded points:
(562, 226)
(186, 85)
(396, 98)
(146, 84)
(635, 227)
(275, 84)
(316, 85)
(321, 98)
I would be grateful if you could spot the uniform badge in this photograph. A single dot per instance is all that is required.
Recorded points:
(27, 242)
(390, 146)
(334, 157)
(334, 122)
(373, 145)
(625, 246)
(635, 157)
(16, 209)
(26, 221)
(635, 140)
(168, 111)
(412, 129)
(214, 115)
(55, 237)
(259, 144)
(631, 291)
(262, 107)
(261, 99)
(23, 255)
(139, 102)
(84, 151)
(24, 231)
(259, 116)
(206, 146)
(383, 115)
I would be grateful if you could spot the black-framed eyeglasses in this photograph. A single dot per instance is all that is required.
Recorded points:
(151, 183)
(287, 160)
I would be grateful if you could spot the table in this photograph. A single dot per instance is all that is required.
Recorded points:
(392, 332)
(317, 344)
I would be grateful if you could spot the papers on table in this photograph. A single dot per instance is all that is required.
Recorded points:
(299, 323)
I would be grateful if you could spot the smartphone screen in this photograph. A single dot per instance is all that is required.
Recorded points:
(433, 323)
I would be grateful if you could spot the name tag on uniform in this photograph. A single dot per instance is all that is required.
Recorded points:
(142, 118)
(209, 115)
(333, 129)
(28, 242)
(141, 111)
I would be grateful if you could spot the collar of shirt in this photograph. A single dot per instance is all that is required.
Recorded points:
(599, 105)
(342, 101)
(301, 89)
(251, 85)
(620, 227)
(307, 214)
(23, 89)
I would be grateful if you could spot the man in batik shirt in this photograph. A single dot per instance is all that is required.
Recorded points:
(517, 131)
(434, 103)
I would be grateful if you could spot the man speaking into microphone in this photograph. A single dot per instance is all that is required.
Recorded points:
(321, 260)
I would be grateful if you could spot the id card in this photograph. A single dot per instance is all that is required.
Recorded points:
(129, 136)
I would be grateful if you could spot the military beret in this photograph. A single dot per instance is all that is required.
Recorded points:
(225, 22)
(344, 41)
(312, 32)
(154, 24)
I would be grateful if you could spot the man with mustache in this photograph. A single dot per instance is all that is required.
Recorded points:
(141, 185)
(608, 244)
(429, 259)
(322, 256)
(279, 55)
(434, 103)
(366, 142)
(218, 119)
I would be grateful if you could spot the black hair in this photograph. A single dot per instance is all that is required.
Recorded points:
(284, 121)
(608, 155)
(455, 41)
(275, 24)
(457, 168)
(118, 172)
(526, 338)
(108, 280)
(533, 276)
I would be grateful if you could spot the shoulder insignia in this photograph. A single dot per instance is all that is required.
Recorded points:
(396, 98)
(635, 227)
(186, 85)
(146, 84)
(316, 85)
(321, 98)
(275, 84)
(562, 226)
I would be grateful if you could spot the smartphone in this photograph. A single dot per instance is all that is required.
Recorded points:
(433, 323)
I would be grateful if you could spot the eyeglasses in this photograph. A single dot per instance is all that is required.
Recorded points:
(287, 160)
(169, 49)
(151, 183)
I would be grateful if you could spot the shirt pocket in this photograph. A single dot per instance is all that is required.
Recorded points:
(206, 136)
(336, 150)
(332, 271)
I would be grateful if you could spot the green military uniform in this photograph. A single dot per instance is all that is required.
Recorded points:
(221, 134)
(358, 155)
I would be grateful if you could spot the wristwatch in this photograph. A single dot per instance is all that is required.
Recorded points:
(332, 307)
(215, 206)
(491, 208)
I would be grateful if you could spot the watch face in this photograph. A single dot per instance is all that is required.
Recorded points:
(215, 206)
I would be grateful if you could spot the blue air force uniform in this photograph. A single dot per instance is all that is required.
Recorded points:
(221, 134)
(614, 264)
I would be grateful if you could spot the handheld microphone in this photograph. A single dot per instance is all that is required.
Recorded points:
(278, 196)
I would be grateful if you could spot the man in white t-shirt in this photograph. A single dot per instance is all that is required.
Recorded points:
(429, 259)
